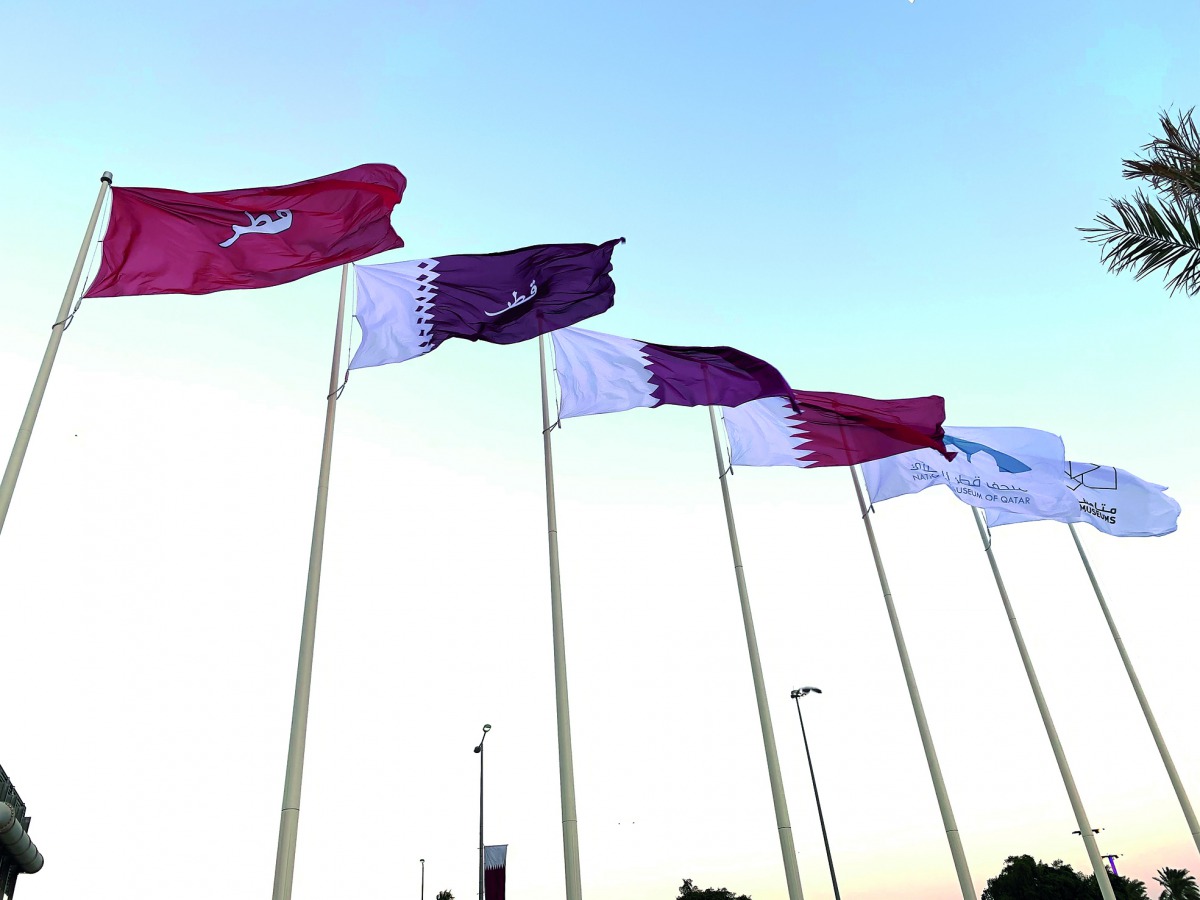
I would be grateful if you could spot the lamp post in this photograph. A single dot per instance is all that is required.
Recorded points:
(796, 695)
(1111, 857)
(422, 879)
(479, 750)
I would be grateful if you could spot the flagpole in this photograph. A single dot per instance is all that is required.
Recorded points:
(935, 769)
(566, 764)
(289, 817)
(1085, 828)
(1137, 689)
(9, 482)
(782, 821)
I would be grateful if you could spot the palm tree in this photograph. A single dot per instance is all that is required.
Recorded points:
(1177, 885)
(1152, 233)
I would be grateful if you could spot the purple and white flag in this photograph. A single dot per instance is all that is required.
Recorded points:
(495, 862)
(603, 373)
(821, 428)
(408, 308)
(1109, 499)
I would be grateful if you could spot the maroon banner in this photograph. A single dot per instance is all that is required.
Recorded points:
(162, 241)
(494, 861)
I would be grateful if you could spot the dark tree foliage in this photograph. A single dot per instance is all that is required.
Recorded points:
(1123, 888)
(1177, 884)
(689, 891)
(1026, 878)
(444, 895)
(1158, 232)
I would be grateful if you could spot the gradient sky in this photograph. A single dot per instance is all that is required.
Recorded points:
(879, 198)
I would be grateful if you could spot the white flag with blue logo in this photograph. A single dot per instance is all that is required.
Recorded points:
(1110, 499)
(995, 469)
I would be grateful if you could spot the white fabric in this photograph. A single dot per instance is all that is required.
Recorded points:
(762, 434)
(390, 300)
(1110, 499)
(599, 373)
(982, 478)
(494, 856)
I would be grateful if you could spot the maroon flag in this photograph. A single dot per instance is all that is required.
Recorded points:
(603, 373)
(494, 859)
(819, 428)
(161, 241)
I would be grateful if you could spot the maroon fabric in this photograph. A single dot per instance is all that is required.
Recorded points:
(493, 883)
(844, 429)
(161, 241)
(495, 860)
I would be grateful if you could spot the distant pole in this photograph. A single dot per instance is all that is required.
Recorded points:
(422, 879)
(8, 484)
(1085, 828)
(935, 769)
(289, 817)
(782, 821)
(1176, 782)
(796, 695)
(479, 750)
(566, 760)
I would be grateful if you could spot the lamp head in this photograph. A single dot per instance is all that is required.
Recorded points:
(805, 691)
(487, 728)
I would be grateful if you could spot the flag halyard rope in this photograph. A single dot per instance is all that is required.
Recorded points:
(337, 395)
(83, 284)
(557, 390)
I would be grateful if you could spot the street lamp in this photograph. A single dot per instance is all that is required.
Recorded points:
(796, 695)
(479, 750)
(422, 879)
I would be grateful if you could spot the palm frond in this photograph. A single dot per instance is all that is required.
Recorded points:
(1172, 163)
(1149, 237)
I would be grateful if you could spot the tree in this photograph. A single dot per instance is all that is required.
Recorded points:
(1123, 888)
(1152, 233)
(1177, 885)
(444, 895)
(689, 891)
(1024, 878)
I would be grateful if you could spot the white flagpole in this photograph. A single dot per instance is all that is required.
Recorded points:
(935, 770)
(1137, 689)
(9, 483)
(782, 820)
(1085, 828)
(566, 763)
(289, 817)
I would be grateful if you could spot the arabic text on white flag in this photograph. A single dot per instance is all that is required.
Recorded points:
(1111, 500)
(996, 468)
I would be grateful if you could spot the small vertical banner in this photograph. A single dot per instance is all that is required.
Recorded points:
(494, 858)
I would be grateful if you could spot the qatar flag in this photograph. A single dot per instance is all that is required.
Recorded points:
(818, 428)
(603, 373)
(407, 309)
(162, 241)
(495, 858)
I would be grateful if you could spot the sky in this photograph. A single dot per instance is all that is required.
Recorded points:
(879, 198)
